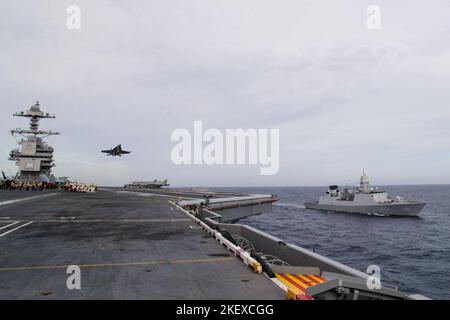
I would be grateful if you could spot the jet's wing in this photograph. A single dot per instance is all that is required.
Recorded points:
(125, 152)
(4, 176)
(107, 151)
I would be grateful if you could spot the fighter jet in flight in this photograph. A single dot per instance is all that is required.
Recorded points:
(116, 151)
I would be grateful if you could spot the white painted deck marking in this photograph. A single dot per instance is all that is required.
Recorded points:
(9, 225)
(3, 203)
(17, 228)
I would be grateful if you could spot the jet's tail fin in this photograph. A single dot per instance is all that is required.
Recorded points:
(4, 176)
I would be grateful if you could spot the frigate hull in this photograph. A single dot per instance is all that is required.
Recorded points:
(400, 209)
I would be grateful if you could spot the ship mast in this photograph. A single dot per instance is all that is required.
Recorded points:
(364, 184)
(34, 114)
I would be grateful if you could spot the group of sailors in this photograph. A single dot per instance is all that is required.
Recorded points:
(27, 186)
(13, 185)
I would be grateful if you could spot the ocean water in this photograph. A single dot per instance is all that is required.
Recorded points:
(412, 252)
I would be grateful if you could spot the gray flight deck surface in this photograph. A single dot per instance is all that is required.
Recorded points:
(128, 247)
(13, 195)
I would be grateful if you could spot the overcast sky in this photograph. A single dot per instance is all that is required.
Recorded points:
(344, 97)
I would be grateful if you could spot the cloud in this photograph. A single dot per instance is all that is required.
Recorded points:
(342, 96)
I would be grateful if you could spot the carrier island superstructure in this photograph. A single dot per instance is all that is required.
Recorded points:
(34, 157)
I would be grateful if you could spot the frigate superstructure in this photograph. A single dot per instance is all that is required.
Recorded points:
(34, 157)
(365, 200)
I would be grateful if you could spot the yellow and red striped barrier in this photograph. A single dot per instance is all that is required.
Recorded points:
(298, 283)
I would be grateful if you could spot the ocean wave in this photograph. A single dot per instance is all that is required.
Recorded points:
(292, 205)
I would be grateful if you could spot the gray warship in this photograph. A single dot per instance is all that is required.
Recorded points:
(365, 200)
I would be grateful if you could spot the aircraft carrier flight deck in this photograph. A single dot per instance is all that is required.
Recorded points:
(128, 246)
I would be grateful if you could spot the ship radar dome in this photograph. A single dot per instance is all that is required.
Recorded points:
(36, 107)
